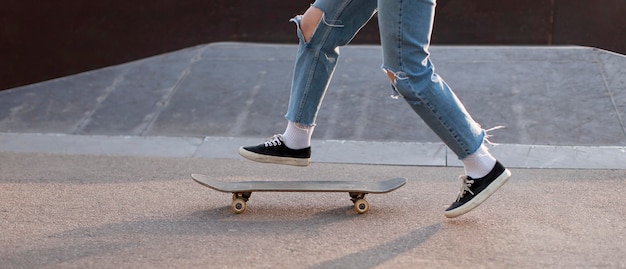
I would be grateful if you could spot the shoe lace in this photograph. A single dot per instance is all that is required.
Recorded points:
(466, 183)
(275, 140)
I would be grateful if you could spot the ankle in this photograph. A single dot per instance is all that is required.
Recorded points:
(297, 136)
(479, 163)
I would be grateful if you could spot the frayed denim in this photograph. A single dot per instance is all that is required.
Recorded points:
(405, 29)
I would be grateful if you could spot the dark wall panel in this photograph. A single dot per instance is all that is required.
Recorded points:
(41, 40)
(591, 23)
(493, 22)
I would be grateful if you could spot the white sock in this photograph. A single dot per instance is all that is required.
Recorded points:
(298, 136)
(479, 163)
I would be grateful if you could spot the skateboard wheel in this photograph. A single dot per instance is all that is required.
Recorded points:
(238, 206)
(361, 206)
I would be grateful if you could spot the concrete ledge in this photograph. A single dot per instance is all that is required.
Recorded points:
(100, 145)
(559, 157)
(326, 151)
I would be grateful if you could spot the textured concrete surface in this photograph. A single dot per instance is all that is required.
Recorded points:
(544, 96)
(563, 107)
(79, 211)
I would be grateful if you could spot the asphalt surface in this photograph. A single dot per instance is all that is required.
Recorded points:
(74, 211)
(94, 168)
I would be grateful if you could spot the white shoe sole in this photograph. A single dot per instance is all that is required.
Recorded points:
(274, 159)
(481, 197)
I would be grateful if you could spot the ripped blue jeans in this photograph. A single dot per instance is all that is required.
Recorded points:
(405, 28)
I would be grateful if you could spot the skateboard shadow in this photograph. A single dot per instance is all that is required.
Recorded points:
(377, 255)
(284, 222)
(123, 237)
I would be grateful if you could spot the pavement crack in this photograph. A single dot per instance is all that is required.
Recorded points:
(167, 97)
(86, 119)
(611, 95)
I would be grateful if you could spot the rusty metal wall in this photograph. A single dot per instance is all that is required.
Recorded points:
(40, 40)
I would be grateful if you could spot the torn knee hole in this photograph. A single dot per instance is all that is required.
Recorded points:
(309, 22)
(393, 78)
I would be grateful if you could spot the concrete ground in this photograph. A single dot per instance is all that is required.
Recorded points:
(81, 211)
(94, 168)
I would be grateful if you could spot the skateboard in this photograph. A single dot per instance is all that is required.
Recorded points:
(356, 189)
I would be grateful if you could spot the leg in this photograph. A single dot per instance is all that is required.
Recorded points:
(324, 27)
(413, 76)
(405, 29)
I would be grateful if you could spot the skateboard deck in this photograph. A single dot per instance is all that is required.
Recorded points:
(357, 189)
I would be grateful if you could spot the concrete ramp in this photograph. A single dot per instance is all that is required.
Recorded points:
(562, 106)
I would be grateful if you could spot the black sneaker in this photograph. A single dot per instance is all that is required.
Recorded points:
(475, 191)
(273, 150)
